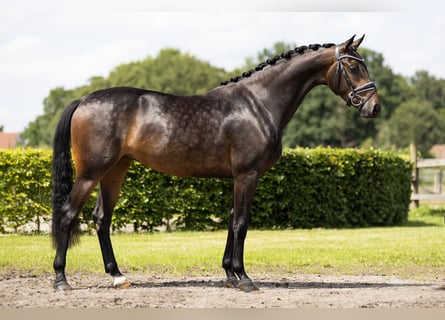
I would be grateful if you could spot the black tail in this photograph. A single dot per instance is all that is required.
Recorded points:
(62, 171)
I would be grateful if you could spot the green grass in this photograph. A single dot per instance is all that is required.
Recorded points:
(416, 250)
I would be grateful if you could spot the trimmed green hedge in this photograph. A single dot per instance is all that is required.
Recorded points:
(336, 188)
(25, 192)
(308, 188)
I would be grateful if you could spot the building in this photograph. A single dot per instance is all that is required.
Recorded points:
(9, 140)
(438, 151)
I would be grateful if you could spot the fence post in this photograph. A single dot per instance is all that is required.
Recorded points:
(438, 182)
(415, 174)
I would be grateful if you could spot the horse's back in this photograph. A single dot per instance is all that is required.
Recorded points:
(200, 136)
(162, 131)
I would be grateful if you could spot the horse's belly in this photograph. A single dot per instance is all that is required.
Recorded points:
(188, 166)
(181, 159)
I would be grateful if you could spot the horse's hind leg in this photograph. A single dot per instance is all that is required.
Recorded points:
(82, 189)
(110, 187)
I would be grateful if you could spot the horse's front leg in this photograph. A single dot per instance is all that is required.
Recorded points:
(232, 280)
(243, 192)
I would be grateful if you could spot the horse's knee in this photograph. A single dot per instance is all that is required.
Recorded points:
(240, 230)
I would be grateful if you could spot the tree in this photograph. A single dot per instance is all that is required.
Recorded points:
(420, 119)
(429, 88)
(414, 121)
(40, 131)
(277, 49)
(171, 72)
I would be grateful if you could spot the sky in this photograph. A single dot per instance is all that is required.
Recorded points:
(51, 43)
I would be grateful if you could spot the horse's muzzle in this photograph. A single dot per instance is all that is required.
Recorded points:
(370, 109)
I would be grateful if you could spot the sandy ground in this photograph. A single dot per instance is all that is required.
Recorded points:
(287, 291)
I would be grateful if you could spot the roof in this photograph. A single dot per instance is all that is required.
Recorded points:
(438, 151)
(8, 140)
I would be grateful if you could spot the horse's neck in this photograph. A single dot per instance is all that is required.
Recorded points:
(283, 87)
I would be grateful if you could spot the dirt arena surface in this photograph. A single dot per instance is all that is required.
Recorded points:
(287, 291)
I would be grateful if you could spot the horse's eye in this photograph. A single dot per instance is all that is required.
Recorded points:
(353, 68)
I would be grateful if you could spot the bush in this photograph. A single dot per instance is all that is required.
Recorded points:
(322, 187)
(334, 188)
(25, 197)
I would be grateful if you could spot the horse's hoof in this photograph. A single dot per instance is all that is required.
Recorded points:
(62, 286)
(231, 282)
(247, 285)
(121, 283)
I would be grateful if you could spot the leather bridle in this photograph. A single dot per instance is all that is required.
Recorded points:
(354, 97)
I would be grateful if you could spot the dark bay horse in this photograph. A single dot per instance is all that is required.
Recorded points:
(233, 131)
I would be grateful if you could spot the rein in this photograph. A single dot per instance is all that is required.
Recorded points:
(355, 99)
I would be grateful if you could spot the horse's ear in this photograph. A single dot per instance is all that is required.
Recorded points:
(348, 43)
(357, 43)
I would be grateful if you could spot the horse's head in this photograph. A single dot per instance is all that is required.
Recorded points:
(349, 78)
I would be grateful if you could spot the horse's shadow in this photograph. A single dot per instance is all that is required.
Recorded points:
(291, 285)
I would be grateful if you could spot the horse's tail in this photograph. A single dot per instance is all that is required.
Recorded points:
(62, 172)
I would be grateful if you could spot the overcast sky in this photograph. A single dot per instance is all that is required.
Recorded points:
(49, 43)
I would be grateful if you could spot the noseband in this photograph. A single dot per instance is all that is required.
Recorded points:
(355, 99)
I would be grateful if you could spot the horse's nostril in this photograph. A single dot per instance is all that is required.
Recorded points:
(375, 110)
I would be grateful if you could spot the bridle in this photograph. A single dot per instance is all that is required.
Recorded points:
(354, 98)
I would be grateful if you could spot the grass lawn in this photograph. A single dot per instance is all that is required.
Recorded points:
(416, 250)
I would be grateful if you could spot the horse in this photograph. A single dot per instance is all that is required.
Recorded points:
(233, 131)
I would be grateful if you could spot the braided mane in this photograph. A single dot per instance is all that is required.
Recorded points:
(272, 61)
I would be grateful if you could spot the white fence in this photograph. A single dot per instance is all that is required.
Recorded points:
(434, 169)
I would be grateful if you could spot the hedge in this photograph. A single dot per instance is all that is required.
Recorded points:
(308, 188)
(25, 196)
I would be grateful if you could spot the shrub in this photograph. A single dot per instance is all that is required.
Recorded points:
(25, 176)
(334, 188)
(307, 188)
